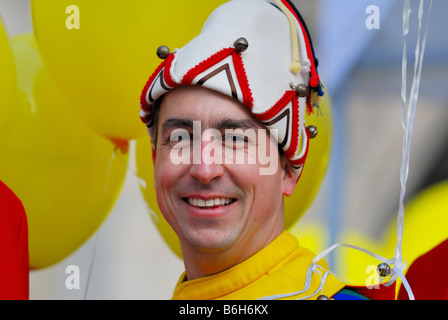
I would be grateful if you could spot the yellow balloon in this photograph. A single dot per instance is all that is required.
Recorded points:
(65, 175)
(145, 171)
(7, 78)
(425, 226)
(101, 53)
(295, 205)
(426, 221)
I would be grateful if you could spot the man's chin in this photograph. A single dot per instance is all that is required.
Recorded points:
(210, 241)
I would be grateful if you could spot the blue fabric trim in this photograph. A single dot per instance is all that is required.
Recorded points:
(341, 296)
(346, 294)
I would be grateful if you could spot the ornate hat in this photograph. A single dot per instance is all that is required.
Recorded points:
(258, 52)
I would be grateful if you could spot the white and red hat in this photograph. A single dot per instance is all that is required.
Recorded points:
(258, 52)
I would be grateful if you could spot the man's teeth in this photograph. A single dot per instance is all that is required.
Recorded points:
(208, 203)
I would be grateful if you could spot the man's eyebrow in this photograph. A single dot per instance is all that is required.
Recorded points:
(176, 123)
(219, 125)
(236, 124)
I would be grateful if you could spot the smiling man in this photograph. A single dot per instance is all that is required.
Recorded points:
(226, 118)
(223, 212)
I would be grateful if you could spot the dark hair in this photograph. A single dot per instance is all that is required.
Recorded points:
(154, 120)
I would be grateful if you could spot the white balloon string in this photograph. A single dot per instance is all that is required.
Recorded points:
(314, 267)
(406, 15)
(407, 121)
(109, 168)
(399, 273)
(408, 113)
(92, 261)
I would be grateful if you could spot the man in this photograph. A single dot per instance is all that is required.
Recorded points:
(226, 118)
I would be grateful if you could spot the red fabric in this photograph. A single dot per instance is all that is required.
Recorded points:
(14, 259)
(381, 293)
(204, 65)
(301, 161)
(295, 129)
(143, 103)
(276, 108)
(428, 275)
(243, 81)
(167, 72)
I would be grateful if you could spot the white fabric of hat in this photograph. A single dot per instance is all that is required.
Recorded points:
(254, 51)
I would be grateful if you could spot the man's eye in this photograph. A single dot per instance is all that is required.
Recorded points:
(233, 140)
(180, 135)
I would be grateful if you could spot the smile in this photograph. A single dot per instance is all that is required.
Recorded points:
(209, 203)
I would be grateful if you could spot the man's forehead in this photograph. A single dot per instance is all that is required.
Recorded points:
(183, 106)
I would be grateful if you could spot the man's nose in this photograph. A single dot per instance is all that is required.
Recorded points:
(207, 166)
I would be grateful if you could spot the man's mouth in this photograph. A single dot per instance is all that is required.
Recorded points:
(209, 203)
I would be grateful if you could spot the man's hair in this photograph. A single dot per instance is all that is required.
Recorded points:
(154, 120)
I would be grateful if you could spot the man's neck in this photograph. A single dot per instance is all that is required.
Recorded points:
(203, 263)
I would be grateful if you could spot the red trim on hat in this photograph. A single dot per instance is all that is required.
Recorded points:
(206, 64)
(301, 161)
(146, 118)
(143, 103)
(276, 108)
(289, 96)
(295, 129)
(248, 100)
(314, 80)
(167, 74)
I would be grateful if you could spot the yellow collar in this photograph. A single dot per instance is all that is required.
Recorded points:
(279, 268)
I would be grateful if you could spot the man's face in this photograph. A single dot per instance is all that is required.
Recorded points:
(209, 178)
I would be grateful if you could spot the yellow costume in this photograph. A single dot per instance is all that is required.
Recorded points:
(280, 268)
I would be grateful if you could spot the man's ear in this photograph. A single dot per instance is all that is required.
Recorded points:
(289, 178)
